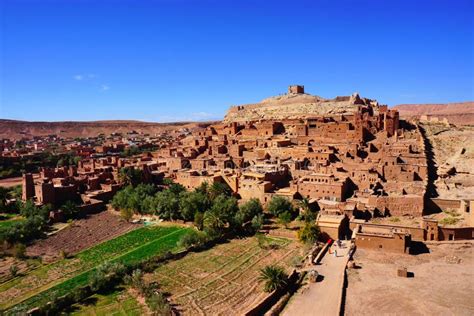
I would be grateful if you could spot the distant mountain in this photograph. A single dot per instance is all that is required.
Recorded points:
(460, 113)
(17, 129)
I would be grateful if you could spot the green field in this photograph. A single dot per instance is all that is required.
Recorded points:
(38, 286)
(7, 220)
(116, 303)
(218, 280)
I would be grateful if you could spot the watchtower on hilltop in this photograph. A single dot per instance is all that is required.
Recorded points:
(295, 89)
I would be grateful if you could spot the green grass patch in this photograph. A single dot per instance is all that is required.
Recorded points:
(116, 303)
(8, 220)
(132, 247)
(449, 220)
(452, 213)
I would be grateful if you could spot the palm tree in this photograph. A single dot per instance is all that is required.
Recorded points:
(274, 276)
(308, 214)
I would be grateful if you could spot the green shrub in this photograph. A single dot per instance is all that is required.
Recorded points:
(309, 233)
(19, 251)
(279, 205)
(158, 304)
(193, 239)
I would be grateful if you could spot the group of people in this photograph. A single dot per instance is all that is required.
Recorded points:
(338, 243)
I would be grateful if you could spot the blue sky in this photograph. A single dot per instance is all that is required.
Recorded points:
(191, 60)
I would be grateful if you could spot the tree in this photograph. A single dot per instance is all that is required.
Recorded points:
(257, 222)
(135, 280)
(70, 209)
(309, 215)
(16, 192)
(309, 233)
(192, 202)
(284, 218)
(105, 273)
(248, 211)
(126, 214)
(274, 277)
(193, 239)
(199, 220)
(167, 205)
(176, 188)
(278, 205)
(158, 304)
(221, 215)
(250, 216)
(131, 176)
(217, 189)
(137, 199)
(167, 181)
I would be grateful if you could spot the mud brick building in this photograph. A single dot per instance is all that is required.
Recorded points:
(346, 149)
(349, 155)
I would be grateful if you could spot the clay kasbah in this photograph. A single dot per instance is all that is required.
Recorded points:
(346, 191)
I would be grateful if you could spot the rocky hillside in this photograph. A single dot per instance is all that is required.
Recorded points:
(295, 106)
(453, 148)
(461, 113)
(17, 129)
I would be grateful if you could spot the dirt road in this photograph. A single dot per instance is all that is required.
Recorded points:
(323, 297)
(11, 182)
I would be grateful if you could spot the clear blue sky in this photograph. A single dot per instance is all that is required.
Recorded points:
(175, 60)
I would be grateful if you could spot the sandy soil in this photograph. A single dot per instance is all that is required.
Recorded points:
(442, 284)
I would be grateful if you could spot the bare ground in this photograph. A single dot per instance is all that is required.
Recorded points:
(81, 234)
(11, 182)
(442, 282)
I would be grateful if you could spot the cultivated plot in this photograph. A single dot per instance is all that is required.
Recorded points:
(38, 286)
(224, 278)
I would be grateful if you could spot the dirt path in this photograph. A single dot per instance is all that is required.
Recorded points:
(11, 182)
(323, 297)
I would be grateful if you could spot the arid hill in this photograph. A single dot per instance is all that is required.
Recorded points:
(461, 113)
(296, 106)
(17, 129)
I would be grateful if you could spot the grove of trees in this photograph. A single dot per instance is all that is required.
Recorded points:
(210, 207)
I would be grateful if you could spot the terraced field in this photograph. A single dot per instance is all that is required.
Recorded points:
(36, 287)
(80, 235)
(224, 278)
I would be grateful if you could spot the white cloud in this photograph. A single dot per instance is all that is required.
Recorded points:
(104, 87)
(80, 77)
